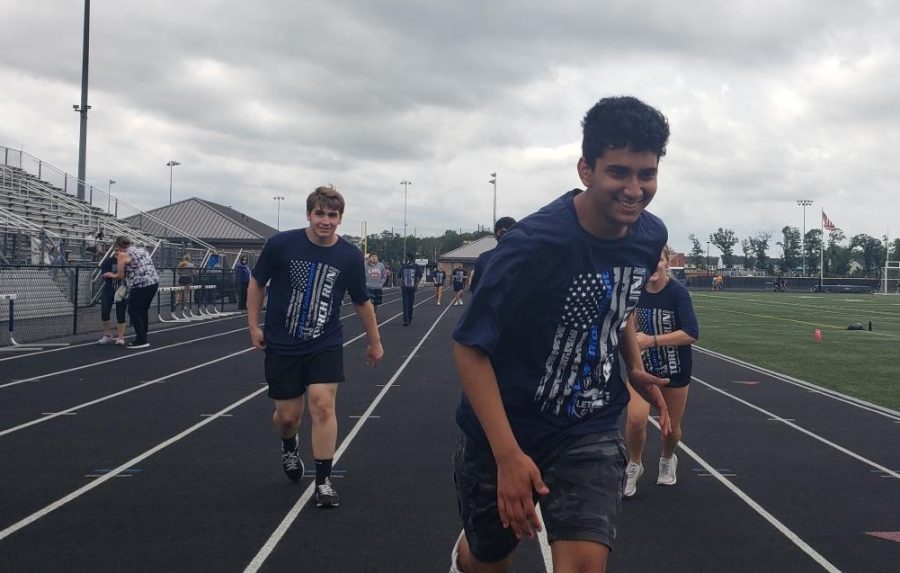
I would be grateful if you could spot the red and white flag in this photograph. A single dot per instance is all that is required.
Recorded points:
(826, 222)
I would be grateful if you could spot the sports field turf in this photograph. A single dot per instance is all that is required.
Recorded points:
(776, 331)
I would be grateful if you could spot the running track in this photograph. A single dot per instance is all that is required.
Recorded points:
(165, 460)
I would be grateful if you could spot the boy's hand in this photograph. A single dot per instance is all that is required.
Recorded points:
(257, 338)
(517, 478)
(647, 385)
(374, 354)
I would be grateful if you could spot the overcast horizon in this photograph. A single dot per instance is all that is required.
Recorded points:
(769, 102)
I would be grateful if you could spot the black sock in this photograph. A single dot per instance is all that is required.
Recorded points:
(289, 444)
(323, 470)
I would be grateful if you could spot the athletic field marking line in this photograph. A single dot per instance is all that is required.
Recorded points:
(544, 542)
(782, 319)
(836, 310)
(73, 409)
(94, 343)
(130, 463)
(833, 394)
(122, 468)
(793, 537)
(294, 512)
(800, 429)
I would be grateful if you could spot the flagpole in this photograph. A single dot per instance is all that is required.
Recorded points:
(822, 252)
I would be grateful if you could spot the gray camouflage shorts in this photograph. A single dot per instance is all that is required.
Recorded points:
(586, 477)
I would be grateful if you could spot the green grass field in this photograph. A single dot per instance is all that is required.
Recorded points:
(775, 331)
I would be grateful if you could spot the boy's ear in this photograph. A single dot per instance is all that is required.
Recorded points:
(585, 170)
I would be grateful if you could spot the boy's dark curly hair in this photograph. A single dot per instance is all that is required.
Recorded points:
(623, 122)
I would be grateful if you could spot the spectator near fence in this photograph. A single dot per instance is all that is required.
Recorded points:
(242, 279)
(185, 279)
(112, 292)
(134, 265)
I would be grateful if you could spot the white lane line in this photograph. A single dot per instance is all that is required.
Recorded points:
(291, 516)
(793, 537)
(123, 357)
(94, 343)
(827, 392)
(544, 543)
(73, 409)
(122, 468)
(813, 435)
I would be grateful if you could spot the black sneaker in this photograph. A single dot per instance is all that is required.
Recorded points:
(137, 344)
(291, 463)
(326, 496)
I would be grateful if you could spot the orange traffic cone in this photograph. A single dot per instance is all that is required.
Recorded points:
(818, 334)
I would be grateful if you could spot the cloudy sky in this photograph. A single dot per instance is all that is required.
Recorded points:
(769, 101)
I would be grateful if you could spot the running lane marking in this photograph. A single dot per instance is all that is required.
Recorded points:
(793, 537)
(294, 512)
(800, 429)
(134, 461)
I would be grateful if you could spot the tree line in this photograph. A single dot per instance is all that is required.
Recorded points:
(840, 252)
(389, 245)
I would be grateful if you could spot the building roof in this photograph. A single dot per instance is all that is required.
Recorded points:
(469, 252)
(205, 220)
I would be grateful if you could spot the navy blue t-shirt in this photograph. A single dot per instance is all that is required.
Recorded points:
(307, 286)
(410, 273)
(661, 313)
(480, 264)
(549, 312)
(439, 277)
(110, 265)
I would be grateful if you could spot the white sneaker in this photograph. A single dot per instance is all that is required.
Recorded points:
(667, 467)
(105, 339)
(120, 342)
(633, 473)
(454, 555)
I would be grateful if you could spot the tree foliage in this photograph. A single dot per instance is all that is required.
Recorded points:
(725, 240)
(697, 252)
(790, 248)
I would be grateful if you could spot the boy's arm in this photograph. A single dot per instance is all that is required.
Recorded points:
(374, 351)
(644, 384)
(256, 293)
(517, 475)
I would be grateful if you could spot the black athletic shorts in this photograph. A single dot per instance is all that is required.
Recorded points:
(586, 478)
(375, 295)
(288, 376)
(185, 281)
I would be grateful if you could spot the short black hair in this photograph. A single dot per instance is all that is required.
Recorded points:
(623, 122)
(504, 223)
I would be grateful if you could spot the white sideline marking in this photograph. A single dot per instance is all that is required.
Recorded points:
(123, 357)
(291, 516)
(793, 537)
(827, 392)
(114, 472)
(71, 411)
(94, 343)
(544, 542)
(802, 430)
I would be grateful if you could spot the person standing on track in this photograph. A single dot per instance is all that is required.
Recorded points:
(410, 274)
(440, 277)
(309, 271)
(544, 349)
(108, 298)
(135, 266)
(242, 279)
(376, 276)
(502, 225)
(667, 327)
(185, 270)
(459, 277)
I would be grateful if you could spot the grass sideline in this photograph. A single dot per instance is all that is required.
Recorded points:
(776, 331)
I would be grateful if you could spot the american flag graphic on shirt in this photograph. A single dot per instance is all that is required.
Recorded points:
(579, 366)
(663, 361)
(310, 305)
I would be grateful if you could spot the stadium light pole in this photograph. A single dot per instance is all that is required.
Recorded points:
(493, 181)
(406, 185)
(109, 185)
(279, 199)
(171, 165)
(707, 260)
(804, 203)
(84, 107)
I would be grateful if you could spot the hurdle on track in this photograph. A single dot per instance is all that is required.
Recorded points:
(11, 326)
(204, 310)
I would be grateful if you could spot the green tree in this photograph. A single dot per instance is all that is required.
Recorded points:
(759, 244)
(869, 251)
(837, 256)
(725, 240)
(811, 246)
(749, 258)
(697, 252)
(790, 248)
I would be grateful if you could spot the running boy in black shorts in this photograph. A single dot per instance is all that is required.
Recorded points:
(308, 271)
(538, 353)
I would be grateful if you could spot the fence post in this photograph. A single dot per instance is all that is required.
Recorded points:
(75, 302)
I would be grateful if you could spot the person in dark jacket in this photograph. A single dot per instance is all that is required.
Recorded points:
(410, 274)
(242, 280)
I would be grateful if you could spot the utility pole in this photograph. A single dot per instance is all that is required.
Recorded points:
(84, 107)
(406, 185)
(493, 181)
(804, 203)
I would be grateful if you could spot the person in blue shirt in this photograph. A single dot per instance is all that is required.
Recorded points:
(242, 279)
(502, 225)
(667, 327)
(459, 277)
(544, 350)
(309, 271)
(440, 277)
(409, 274)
